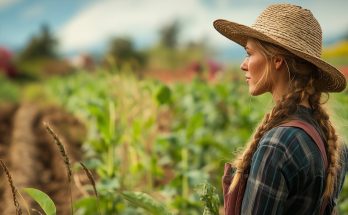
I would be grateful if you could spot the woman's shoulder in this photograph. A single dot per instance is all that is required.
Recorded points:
(285, 136)
(293, 142)
(293, 147)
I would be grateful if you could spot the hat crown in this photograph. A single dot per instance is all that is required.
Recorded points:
(292, 26)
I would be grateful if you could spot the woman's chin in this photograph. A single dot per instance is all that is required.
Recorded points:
(255, 92)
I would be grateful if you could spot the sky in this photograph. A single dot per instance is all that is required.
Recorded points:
(88, 25)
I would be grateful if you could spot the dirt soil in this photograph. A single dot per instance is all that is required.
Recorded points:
(33, 158)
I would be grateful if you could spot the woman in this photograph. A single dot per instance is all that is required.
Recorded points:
(283, 166)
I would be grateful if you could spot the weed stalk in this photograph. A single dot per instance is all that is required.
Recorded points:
(92, 181)
(13, 189)
(65, 157)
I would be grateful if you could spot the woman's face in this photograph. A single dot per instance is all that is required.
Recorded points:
(255, 66)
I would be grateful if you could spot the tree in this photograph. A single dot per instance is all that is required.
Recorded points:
(122, 51)
(169, 35)
(42, 45)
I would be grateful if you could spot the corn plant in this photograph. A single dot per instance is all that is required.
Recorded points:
(132, 150)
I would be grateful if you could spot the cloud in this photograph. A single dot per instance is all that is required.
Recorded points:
(142, 19)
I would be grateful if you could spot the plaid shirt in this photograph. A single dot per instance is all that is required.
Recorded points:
(287, 174)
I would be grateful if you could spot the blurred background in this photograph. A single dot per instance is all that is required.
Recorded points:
(145, 92)
(95, 31)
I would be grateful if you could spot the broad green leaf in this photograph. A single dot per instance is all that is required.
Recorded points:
(146, 202)
(86, 206)
(42, 199)
(163, 95)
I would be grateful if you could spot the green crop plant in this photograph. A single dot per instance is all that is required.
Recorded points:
(9, 90)
(163, 140)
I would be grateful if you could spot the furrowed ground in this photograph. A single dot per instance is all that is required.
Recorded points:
(32, 157)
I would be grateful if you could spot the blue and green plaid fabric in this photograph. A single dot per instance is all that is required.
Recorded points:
(287, 174)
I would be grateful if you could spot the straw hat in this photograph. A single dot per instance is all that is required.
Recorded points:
(296, 30)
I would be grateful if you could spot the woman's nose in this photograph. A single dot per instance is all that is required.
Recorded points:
(244, 65)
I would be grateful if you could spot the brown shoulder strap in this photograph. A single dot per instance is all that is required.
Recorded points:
(313, 133)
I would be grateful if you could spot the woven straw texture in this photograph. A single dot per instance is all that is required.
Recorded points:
(296, 30)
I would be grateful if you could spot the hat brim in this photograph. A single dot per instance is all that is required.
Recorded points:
(331, 80)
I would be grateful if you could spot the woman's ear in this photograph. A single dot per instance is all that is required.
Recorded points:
(278, 61)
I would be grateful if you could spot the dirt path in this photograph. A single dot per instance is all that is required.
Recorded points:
(31, 155)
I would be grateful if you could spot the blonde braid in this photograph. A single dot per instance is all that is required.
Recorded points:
(280, 112)
(243, 161)
(334, 164)
(333, 150)
(333, 147)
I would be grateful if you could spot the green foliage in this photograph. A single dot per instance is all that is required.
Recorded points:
(42, 45)
(42, 199)
(339, 114)
(86, 206)
(126, 149)
(122, 53)
(208, 195)
(163, 95)
(145, 201)
(165, 140)
(116, 141)
(169, 55)
(169, 35)
(9, 91)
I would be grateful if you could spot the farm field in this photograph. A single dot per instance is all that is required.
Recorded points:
(166, 139)
(134, 107)
(32, 161)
